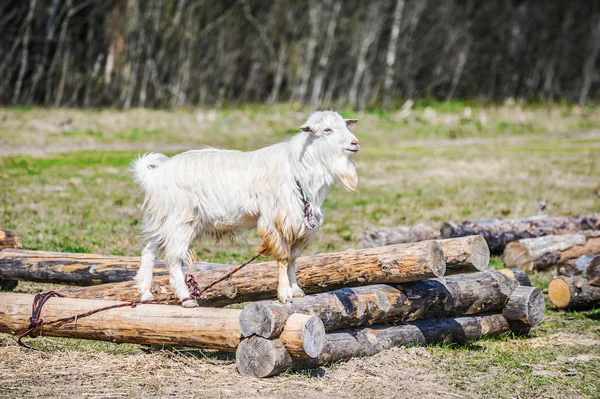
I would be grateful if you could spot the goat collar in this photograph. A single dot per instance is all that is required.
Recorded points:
(309, 219)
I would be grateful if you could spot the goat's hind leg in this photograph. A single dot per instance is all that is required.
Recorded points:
(143, 278)
(176, 254)
(291, 270)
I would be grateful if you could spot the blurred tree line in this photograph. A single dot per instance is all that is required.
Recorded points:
(155, 53)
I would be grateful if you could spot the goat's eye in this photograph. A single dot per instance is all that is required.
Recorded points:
(328, 130)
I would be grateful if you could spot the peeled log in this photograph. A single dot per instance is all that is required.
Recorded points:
(78, 269)
(499, 232)
(575, 267)
(204, 328)
(303, 335)
(573, 293)
(544, 252)
(324, 272)
(381, 236)
(465, 254)
(261, 357)
(593, 272)
(379, 304)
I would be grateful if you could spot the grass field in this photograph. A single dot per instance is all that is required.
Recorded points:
(65, 186)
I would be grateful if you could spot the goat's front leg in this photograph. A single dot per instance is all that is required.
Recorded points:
(296, 290)
(284, 289)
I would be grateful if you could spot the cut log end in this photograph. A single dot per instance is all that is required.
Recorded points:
(593, 272)
(435, 259)
(559, 292)
(480, 253)
(517, 274)
(257, 319)
(517, 255)
(525, 306)
(303, 335)
(260, 357)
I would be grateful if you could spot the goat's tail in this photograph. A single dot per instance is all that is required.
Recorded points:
(142, 167)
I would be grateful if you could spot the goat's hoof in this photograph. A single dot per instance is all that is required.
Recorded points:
(297, 292)
(285, 296)
(190, 303)
(147, 296)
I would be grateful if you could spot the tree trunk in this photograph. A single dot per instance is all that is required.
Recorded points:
(573, 293)
(575, 267)
(379, 304)
(324, 272)
(260, 357)
(499, 232)
(78, 269)
(204, 328)
(543, 252)
(593, 272)
(390, 58)
(381, 236)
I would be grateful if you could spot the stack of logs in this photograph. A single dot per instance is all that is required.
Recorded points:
(578, 285)
(363, 302)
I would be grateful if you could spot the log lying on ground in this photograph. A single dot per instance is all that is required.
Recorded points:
(517, 274)
(261, 357)
(303, 335)
(381, 236)
(78, 269)
(204, 328)
(499, 232)
(544, 252)
(9, 239)
(593, 272)
(465, 254)
(575, 267)
(324, 272)
(378, 304)
(573, 293)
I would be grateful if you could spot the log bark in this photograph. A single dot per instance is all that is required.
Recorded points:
(575, 267)
(380, 236)
(593, 272)
(573, 293)
(517, 274)
(378, 304)
(204, 328)
(525, 306)
(465, 254)
(499, 232)
(9, 239)
(78, 269)
(261, 357)
(324, 272)
(303, 335)
(543, 252)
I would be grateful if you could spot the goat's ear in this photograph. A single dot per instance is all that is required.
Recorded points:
(350, 122)
(306, 128)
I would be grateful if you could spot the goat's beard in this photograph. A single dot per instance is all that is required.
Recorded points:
(345, 171)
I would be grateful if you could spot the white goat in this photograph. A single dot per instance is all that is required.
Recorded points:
(279, 189)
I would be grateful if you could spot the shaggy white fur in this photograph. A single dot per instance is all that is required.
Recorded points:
(221, 192)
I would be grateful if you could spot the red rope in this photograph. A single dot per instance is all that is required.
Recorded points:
(41, 298)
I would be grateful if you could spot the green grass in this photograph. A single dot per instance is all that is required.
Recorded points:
(440, 163)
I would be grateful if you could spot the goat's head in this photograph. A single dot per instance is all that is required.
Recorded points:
(334, 144)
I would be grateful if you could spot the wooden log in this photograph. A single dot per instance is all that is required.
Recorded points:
(575, 267)
(9, 239)
(78, 269)
(261, 357)
(204, 328)
(525, 306)
(303, 335)
(573, 293)
(517, 274)
(324, 272)
(379, 304)
(499, 232)
(381, 236)
(593, 272)
(465, 254)
(543, 252)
